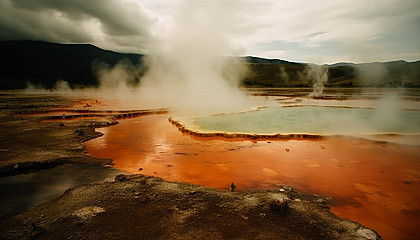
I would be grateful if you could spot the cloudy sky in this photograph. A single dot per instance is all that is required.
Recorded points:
(322, 31)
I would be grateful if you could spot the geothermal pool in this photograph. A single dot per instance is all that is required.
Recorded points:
(322, 120)
(367, 158)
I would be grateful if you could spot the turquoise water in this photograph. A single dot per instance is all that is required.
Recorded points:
(316, 120)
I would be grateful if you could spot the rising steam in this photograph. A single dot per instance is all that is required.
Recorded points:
(372, 74)
(318, 75)
(189, 67)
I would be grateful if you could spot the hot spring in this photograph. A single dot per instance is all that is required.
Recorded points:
(314, 120)
(361, 149)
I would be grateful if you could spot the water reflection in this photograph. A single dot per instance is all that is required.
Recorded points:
(25, 191)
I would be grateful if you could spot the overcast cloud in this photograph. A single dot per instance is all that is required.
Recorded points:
(323, 31)
(113, 24)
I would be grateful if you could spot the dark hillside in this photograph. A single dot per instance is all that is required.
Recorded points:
(272, 73)
(45, 63)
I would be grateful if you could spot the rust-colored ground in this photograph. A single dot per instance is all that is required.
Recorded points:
(372, 183)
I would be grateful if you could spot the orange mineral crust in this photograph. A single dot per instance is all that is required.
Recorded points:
(376, 184)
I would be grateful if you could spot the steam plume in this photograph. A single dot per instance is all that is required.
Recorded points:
(189, 68)
(319, 77)
(372, 74)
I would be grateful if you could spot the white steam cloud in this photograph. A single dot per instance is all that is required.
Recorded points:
(318, 75)
(190, 68)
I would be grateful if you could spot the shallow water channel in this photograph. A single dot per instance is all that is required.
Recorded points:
(24, 191)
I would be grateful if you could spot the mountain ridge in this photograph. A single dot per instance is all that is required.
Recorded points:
(44, 63)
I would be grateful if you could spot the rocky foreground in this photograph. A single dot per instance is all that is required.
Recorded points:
(142, 207)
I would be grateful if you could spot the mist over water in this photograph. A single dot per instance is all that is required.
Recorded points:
(190, 66)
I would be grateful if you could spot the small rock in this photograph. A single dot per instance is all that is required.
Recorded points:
(121, 178)
(287, 149)
(181, 153)
(79, 132)
(232, 187)
(320, 200)
(35, 230)
(279, 206)
(366, 233)
(88, 212)
(140, 169)
(16, 166)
